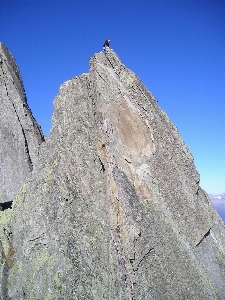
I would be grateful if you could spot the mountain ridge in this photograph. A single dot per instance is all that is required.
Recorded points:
(113, 208)
(218, 201)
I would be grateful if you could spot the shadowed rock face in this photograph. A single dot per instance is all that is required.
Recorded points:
(20, 135)
(114, 209)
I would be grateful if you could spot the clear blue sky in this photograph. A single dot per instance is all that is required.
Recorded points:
(177, 48)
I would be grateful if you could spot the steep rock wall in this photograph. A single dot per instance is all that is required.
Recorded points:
(114, 209)
(20, 134)
(20, 138)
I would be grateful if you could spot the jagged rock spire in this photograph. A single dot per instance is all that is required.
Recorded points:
(20, 134)
(114, 209)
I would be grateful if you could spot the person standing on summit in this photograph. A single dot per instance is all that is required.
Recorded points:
(106, 44)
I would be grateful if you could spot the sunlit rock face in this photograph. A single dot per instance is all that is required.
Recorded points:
(113, 209)
(20, 135)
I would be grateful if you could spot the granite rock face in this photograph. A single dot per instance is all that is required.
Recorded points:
(20, 134)
(113, 209)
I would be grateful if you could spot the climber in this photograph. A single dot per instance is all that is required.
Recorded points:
(106, 44)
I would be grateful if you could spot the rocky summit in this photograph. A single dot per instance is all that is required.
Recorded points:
(113, 208)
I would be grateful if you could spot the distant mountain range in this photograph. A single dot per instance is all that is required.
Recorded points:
(218, 202)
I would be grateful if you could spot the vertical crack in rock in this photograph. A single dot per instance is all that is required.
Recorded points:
(22, 129)
(102, 165)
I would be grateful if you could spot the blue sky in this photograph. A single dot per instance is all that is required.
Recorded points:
(177, 48)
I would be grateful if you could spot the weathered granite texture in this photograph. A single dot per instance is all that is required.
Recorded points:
(20, 134)
(114, 209)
